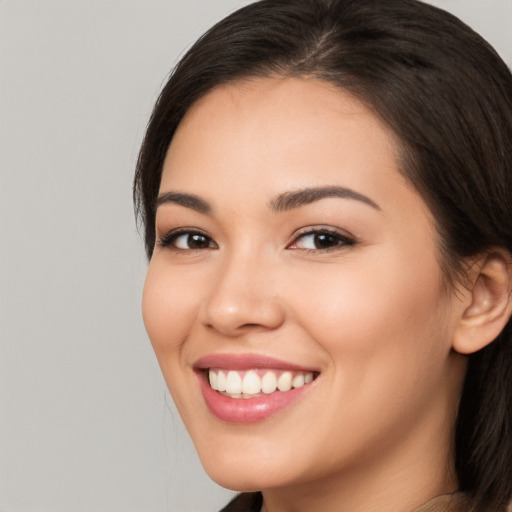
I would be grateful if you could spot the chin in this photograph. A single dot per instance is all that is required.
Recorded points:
(237, 482)
(245, 469)
(244, 478)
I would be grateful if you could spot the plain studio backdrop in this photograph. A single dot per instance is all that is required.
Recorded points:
(86, 424)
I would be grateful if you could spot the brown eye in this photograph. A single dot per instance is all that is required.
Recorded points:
(321, 240)
(192, 242)
(188, 240)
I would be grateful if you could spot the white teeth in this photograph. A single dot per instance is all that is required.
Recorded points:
(248, 384)
(297, 382)
(251, 383)
(221, 381)
(233, 383)
(269, 383)
(212, 376)
(284, 382)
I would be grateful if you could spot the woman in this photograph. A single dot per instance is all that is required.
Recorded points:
(325, 187)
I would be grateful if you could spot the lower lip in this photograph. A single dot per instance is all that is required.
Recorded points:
(248, 410)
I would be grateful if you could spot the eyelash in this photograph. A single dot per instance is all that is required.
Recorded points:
(168, 240)
(340, 240)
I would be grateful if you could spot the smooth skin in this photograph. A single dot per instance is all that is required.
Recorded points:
(350, 286)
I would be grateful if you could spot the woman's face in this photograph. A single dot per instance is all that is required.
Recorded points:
(292, 252)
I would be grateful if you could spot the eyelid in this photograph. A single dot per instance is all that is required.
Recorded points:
(165, 241)
(346, 239)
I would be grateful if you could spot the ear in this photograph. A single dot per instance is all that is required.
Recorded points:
(488, 304)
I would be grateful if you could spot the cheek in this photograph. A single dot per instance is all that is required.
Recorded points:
(169, 306)
(378, 315)
(386, 332)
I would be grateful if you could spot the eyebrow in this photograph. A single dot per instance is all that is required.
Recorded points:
(283, 202)
(187, 200)
(298, 198)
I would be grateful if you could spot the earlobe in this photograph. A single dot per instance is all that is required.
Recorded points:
(488, 300)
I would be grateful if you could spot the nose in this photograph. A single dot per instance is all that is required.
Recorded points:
(243, 298)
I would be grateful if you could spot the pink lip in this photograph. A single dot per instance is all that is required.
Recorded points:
(246, 362)
(251, 410)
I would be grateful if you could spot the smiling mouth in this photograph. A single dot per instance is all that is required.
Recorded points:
(257, 382)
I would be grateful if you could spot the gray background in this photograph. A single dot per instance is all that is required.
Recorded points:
(85, 421)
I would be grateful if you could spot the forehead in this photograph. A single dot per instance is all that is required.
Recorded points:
(300, 129)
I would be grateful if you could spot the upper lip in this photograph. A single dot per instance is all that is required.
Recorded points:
(246, 362)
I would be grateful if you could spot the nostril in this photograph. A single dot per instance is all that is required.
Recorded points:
(240, 329)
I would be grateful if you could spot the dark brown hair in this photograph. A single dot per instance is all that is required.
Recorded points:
(446, 95)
